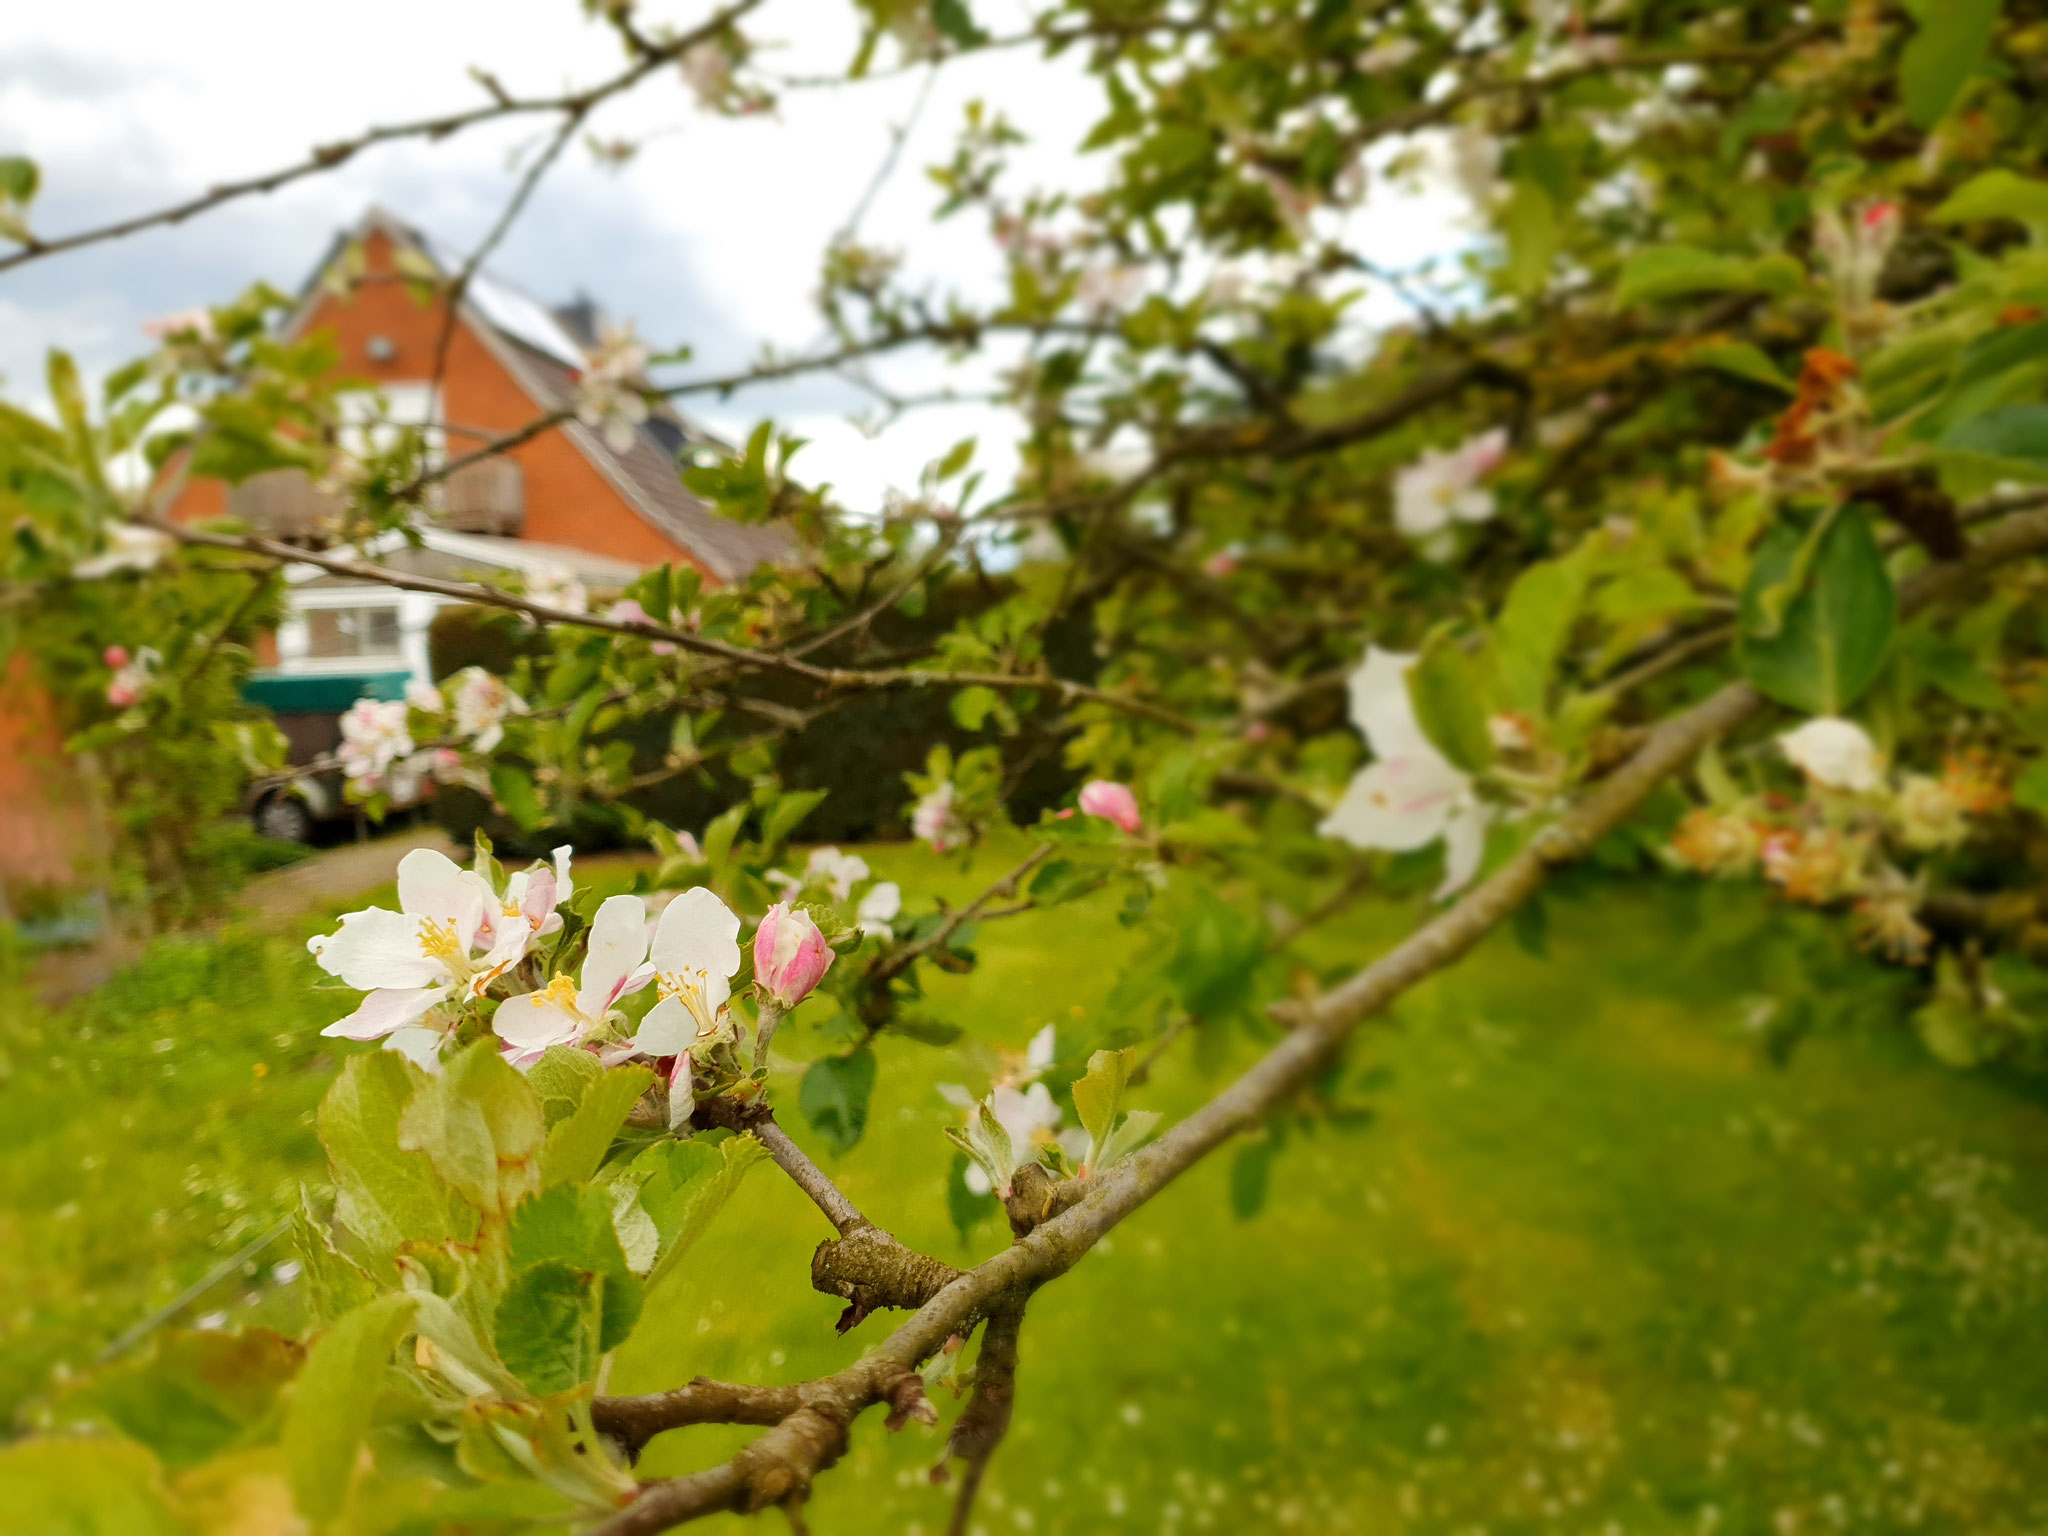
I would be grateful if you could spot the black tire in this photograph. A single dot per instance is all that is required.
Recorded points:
(285, 818)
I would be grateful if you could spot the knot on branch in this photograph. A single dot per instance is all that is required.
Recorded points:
(1036, 1197)
(779, 1466)
(906, 1400)
(869, 1269)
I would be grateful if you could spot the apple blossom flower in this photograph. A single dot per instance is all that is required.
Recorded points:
(1835, 754)
(608, 397)
(1102, 291)
(707, 69)
(1856, 248)
(1442, 487)
(482, 701)
(878, 908)
(694, 953)
(1409, 796)
(556, 586)
(790, 956)
(529, 909)
(837, 872)
(935, 821)
(130, 547)
(410, 960)
(375, 734)
(423, 696)
(1928, 814)
(565, 1012)
(1111, 801)
(132, 676)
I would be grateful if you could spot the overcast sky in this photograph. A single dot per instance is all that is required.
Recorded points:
(709, 238)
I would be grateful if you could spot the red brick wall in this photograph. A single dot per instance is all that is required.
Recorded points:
(567, 500)
(43, 829)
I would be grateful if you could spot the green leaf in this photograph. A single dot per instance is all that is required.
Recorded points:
(195, 1395)
(1953, 42)
(1099, 1096)
(547, 1326)
(719, 835)
(1837, 627)
(578, 1144)
(85, 1486)
(2016, 436)
(787, 813)
(688, 1204)
(1745, 360)
(972, 706)
(2030, 789)
(19, 179)
(335, 1284)
(958, 456)
(573, 1224)
(332, 1399)
(383, 1193)
(834, 1097)
(1251, 1172)
(1219, 952)
(1673, 271)
(561, 1077)
(480, 1126)
(1529, 223)
(1444, 688)
(1534, 624)
(1998, 194)
(513, 789)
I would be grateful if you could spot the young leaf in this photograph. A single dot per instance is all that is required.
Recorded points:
(480, 1126)
(684, 1207)
(834, 1097)
(1444, 688)
(561, 1077)
(1837, 626)
(573, 1224)
(384, 1194)
(1953, 42)
(547, 1326)
(1099, 1096)
(330, 1403)
(577, 1145)
(1534, 624)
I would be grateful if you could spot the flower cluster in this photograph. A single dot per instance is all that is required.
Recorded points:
(1443, 488)
(1838, 843)
(470, 952)
(376, 750)
(133, 675)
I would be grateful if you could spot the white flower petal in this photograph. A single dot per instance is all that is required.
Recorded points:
(697, 932)
(377, 947)
(1397, 805)
(1039, 1054)
(1381, 709)
(1464, 846)
(1836, 754)
(976, 1179)
(421, 1047)
(533, 1021)
(385, 1010)
(618, 943)
(667, 1030)
(878, 908)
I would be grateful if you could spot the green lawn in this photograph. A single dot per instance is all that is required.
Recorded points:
(1595, 1263)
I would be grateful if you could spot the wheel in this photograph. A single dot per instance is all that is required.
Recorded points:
(285, 818)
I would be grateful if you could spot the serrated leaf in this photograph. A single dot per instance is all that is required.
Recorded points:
(547, 1326)
(335, 1283)
(1837, 627)
(573, 1224)
(577, 1145)
(737, 1158)
(331, 1401)
(834, 1097)
(383, 1193)
(561, 1077)
(480, 1126)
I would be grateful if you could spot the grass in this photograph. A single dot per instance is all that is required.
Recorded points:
(1595, 1263)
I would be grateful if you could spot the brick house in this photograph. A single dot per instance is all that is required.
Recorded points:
(565, 503)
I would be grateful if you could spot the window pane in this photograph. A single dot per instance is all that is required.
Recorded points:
(344, 632)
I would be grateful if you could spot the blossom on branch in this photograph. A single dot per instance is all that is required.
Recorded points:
(935, 821)
(838, 872)
(1112, 802)
(1442, 488)
(556, 586)
(133, 676)
(878, 908)
(565, 1012)
(1410, 795)
(482, 701)
(1835, 754)
(375, 735)
(790, 955)
(609, 396)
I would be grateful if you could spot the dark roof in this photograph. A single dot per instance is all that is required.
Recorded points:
(536, 344)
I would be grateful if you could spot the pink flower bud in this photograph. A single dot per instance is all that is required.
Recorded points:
(115, 656)
(120, 697)
(790, 955)
(1881, 218)
(1219, 565)
(1112, 802)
